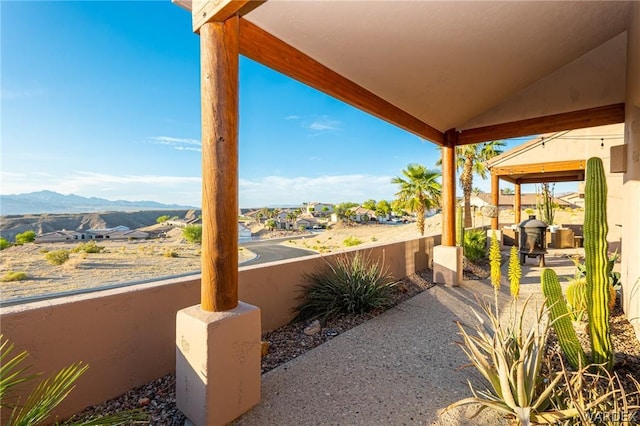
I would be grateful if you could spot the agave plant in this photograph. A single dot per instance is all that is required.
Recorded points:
(510, 358)
(354, 285)
(47, 394)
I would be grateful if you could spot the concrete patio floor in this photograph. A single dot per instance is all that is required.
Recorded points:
(400, 368)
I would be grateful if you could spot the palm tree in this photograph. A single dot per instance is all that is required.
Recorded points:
(419, 191)
(469, 161)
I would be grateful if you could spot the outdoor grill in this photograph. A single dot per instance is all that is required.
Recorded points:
(533, 239)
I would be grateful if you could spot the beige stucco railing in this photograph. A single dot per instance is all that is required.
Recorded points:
(127, 335)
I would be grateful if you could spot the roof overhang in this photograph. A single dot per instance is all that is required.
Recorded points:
(489, 70)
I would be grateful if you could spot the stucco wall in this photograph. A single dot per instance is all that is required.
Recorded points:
(582, 144)
(630, 208)
(127, 335)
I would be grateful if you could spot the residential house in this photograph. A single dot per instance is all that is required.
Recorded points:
(320, 209)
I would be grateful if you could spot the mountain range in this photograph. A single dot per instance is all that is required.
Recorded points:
(53, 202)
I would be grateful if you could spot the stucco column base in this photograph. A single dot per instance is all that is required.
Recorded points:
(498, 237)
(217, 363)
(447, 265)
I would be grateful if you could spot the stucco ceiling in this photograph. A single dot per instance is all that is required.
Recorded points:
(464, 64)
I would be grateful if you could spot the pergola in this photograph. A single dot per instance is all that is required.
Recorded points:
(453, 73)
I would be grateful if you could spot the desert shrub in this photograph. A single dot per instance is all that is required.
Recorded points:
(529, 211)
(193, 233)
(374, 239)
(44, 250)
(170, 253)
(163, 218)
(14, 276)
(25, 237)
(353, 285)
(88, 247)
(475, 242)
(351, 241)
(57, 257)
(4, 243)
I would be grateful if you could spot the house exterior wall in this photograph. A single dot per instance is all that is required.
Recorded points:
(566, 149)
(630, 267)
(127, 335)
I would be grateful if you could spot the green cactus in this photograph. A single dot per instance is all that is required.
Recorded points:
(577, 298)
(560, 319)
(515, 272)
(459, 228)
(596, 262)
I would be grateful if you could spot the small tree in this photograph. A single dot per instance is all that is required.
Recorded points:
(25, 237)
(383, 208)
(193, 234)
(270, 224)
(163, 218)
(369, 204)
(4, 243)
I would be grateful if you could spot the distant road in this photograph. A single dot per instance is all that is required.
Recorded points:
(272, 250)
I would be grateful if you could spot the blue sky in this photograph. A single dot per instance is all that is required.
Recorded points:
(102, 99)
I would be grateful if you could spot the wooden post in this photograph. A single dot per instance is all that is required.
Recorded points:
(449, 188)
(219, 96)
(517, 205)
(495, 199)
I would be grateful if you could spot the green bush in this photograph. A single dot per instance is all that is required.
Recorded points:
(25, 237)
(351, 241)
(14, 276)
(163, 218)
(88, 247)
(353, 285)
(529, 211)
(170, 253)
(475, 243)
(193, 233)
(57, 257)
(4, 243)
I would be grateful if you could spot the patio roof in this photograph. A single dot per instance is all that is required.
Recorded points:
(490, 70)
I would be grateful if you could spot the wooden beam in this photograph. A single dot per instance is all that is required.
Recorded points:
(549, 167)
(495, 199)
(203, 11)
(449, 189)
(549, 179)
(600, 116)
(259, 45)
(219, 94)
(517, 206)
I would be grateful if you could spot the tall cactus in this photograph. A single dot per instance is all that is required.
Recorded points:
(595, 249)
(459, 228)
(560, 319)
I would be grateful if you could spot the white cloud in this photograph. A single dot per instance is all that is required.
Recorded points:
(270, 190)
(324, 123)
(292, 117)
(180, 144)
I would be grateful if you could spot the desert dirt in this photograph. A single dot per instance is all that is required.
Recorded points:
(127, 261)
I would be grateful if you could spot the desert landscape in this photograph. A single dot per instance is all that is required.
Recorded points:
(131, 261)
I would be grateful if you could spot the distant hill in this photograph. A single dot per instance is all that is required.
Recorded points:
(49, 222)
(53, 202)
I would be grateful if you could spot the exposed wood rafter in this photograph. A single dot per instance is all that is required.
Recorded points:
(259, 45)
(549, 167)
(600, 116)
